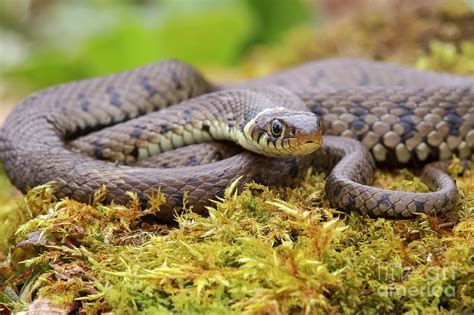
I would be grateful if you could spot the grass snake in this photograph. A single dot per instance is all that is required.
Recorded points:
(109, 130)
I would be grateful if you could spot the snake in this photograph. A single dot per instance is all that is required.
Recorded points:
(165, 127)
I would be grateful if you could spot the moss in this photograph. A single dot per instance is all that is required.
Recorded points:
(449, 57)
(253, 253)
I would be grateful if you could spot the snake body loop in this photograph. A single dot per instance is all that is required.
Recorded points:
(396, 116)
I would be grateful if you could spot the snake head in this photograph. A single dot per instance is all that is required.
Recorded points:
(281, 132)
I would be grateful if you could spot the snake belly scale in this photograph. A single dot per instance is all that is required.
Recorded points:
(108, 131)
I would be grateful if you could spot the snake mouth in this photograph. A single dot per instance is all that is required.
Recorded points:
(309, 142)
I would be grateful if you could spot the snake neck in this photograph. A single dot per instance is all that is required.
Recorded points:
(224, 115)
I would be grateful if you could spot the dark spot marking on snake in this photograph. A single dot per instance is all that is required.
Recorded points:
(165, 165)
(408, 109)
(144, 82)
(114, 97)
(408, 134)
(164, 128)
(178, 198)
(408, 131)
(231, 123)
(318, 110)
(206, 128)
(454, 122)
(407, 119)
(192, 161)
(420, 206)
(359, 111)
(135, 152)
(216, 114)
(98, 149)
(384, 200)
(357, 125)
(176, 81)
(83, 102)
(136, 132)
(186, 115)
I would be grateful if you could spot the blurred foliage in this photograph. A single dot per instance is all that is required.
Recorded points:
(396, 31)
(66, 40)
(444, 56)
(273, 18)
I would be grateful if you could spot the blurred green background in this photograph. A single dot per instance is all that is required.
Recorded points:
(44, 42)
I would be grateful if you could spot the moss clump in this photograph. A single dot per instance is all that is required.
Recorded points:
(12, 214)
(253, 253)
(449, 57)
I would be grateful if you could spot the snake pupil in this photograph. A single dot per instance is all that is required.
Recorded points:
(277, 128)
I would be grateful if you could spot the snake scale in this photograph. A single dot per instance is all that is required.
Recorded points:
(107, 130)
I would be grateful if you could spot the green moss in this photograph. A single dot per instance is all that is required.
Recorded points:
(253, 253)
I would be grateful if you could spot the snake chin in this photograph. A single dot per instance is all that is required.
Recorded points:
(308, 147)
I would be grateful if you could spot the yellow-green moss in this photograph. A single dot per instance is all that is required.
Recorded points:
(253, 253)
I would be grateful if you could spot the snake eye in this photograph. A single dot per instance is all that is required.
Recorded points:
(277, 128)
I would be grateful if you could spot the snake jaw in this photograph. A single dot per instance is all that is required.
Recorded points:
(309, 139)
(309, 142)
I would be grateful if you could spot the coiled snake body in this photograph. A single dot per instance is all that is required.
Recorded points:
(69, 134)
